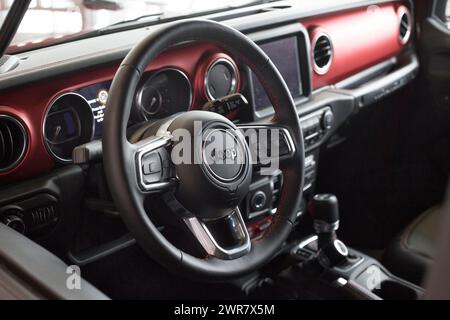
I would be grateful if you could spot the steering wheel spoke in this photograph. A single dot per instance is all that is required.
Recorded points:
(269, 143)
(225, 238)
(154, 170)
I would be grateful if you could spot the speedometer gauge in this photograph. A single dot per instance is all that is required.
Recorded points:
(163, 93)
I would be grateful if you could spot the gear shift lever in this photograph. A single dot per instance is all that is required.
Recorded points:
(325, 210)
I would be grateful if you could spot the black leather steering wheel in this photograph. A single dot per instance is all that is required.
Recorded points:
(211, 194)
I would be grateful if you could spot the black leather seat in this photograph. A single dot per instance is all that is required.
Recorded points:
(412, 252)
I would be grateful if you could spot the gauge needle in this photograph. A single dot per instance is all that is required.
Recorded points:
(57, 132)
(152, 103)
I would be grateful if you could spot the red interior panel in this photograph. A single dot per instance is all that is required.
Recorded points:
(360, 38)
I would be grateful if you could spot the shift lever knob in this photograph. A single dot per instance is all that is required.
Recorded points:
(325, 211)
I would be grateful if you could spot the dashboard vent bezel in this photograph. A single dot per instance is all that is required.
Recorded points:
(404, 37)
(321, 36)
(13, 130)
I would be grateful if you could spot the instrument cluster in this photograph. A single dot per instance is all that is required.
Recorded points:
(163, 93)
(75, 118)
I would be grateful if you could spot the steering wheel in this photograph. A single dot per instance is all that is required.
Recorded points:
(210, 192)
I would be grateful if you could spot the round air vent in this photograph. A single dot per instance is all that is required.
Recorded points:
(13, 142)
(322, 53)
(405, 25)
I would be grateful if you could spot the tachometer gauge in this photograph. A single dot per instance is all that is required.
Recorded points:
(163, 93)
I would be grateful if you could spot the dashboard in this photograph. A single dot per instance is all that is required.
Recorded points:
(75, 118)
(312, 52)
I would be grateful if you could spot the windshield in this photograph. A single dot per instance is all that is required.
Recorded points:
(51, 21)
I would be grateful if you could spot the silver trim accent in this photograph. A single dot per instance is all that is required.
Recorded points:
(340, 247)
(56, 157)
(207, 241)
(11, 218)
(340, 282)
(284, 131)
(401, 13)
(234, 76)
(307, 241)
(153, 75)
(25, 142)
(321, 70)
(144, 147)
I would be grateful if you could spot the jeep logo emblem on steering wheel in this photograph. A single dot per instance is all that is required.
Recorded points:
(227, 154)
(223, 155)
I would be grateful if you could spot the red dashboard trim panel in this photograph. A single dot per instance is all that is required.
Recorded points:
(360, 38)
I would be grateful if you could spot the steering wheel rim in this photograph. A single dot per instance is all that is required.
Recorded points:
(122, 179)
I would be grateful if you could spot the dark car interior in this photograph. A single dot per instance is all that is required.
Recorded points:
(360, 91)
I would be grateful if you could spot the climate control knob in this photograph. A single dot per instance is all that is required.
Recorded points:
(327, 120)
(14, 221)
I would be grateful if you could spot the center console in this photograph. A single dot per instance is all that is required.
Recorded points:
(320, 266)
(359, 276)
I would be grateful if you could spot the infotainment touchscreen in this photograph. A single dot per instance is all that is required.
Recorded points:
(284, 53)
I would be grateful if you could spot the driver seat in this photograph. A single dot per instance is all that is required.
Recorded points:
(411, 253)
